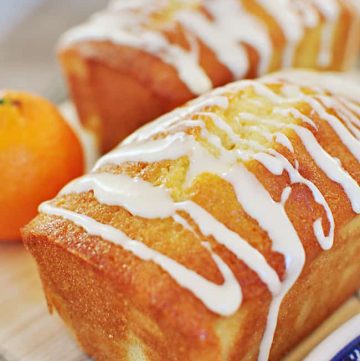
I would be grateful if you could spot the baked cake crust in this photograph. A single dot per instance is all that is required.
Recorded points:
(123, 307)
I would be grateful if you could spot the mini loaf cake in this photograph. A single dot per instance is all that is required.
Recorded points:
(226, 230)
(139, 59)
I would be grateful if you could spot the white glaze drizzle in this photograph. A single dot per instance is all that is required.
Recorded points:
(229, 51)
(173, 117)
(186, 278)
(259, 204)
(323, 159)
(343, 133)
(354, 108)
(346, 109)
(290, 25)
(130, 193)
(282, 139)
(277, 164)
(151, 151)
(232, 241)
(223, 125)
(309, 13)
(330, 9)
(297, 114)
(285, 195)
(331, 82)
(298, 129)
(253, 197)
(294, 25)
(125, 28)
(229, 14)
(144, 200)
(181, 220)
(128, 25)
(341, 105)
(351, 121)
(330, 167)
(283, 164)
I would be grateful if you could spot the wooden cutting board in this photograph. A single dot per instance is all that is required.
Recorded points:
(29, 333)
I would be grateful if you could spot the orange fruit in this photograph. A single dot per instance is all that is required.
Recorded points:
(39, 154)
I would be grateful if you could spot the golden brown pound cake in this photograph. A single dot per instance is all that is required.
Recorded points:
(139, 59)
(226, 230)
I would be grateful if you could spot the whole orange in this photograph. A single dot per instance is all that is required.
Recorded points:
(39, 154)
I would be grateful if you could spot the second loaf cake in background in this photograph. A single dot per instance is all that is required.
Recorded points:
(139, 59)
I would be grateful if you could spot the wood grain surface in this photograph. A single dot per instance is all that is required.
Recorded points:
(29, 333)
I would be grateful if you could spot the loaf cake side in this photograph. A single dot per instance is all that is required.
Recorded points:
(133, 62)
(214, 231)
